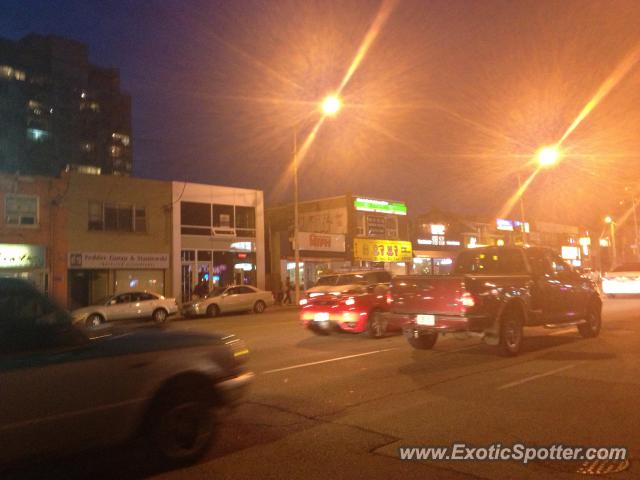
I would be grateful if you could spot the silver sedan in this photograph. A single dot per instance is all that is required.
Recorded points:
(239, 298)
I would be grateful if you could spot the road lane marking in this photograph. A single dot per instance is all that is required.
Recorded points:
(310, 364)
(535, 377)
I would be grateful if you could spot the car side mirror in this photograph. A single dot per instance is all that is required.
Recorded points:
(112, 302)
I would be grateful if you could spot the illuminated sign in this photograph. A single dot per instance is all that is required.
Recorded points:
(570, 253)
(511, 225)
(604, 242)
(425, 241)
(437, 229)
(453, 243)
(365, 249)
(321, 242)
(21, 256)
(246, 246)
(84, 260)
(380, 206)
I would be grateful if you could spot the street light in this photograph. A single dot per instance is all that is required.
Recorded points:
(612, 234)
(329, 107)
(548, 156)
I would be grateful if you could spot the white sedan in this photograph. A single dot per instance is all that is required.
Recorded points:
(127, 306)
(622, 280)
(241, 298)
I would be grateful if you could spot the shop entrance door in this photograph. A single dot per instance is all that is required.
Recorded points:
(187, 282)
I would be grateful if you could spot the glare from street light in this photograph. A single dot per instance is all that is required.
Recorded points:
(608, 219)
(548, 156)
(331, 105)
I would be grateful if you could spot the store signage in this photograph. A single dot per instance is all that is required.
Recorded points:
(570, 253)
(437, 240)
(381, 250)
(437, 229)
(21, 256)
(321, 242)
(380, 206)
(91, 260)
(376, 226)
(511, 225)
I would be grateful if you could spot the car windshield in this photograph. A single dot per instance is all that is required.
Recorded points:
(327, 281)
(628, 267)
(217, 291)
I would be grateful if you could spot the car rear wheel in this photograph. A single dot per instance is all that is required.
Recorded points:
(213, 311)
(94, 320)
(511, 333)
(259, 306)
(160, 315)
(376, 325)
(182, 426)
(591, 328)
(424, 341)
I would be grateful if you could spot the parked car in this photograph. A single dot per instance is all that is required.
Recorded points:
(350, 302)
(127, 306)
(238, 298)
(622, 280)
(494, 292)
(62, 392)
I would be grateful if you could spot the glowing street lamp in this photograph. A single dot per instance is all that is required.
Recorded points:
(548, 156)
(329, 107)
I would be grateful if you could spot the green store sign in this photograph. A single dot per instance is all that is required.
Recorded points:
(380, 206)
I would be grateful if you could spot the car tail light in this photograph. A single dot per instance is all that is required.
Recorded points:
(389, 297)
(350, 301)
(467, 300)
(303, 301)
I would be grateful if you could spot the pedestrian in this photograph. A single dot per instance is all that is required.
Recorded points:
(287, 292)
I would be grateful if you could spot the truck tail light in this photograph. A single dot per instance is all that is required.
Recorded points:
(467, 300)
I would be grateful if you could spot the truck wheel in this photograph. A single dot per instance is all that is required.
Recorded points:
(376, 325)
(511, 333)
(424, 341)
(591, 328)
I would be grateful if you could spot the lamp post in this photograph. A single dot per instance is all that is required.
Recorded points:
(330, 106)
(612, 234)
(546, 157)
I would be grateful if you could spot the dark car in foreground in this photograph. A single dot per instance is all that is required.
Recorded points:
(493, 293)
(62, 392)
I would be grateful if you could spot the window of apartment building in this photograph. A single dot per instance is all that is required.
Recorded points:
(35, 107)
(21, 210)
(115, 150)
(201, 218)
(117, 217)
(37, 134)
(121, 137)
(12, 73)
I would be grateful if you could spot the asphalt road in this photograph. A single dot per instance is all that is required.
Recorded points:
(340, 406)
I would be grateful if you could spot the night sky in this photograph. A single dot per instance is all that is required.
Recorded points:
(449, 104)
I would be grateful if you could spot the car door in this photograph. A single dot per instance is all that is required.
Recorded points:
(122, 307)
(576, 288)
(549, 295)
(232, 300)
(55, 391)
(143, 304)
(247, 298)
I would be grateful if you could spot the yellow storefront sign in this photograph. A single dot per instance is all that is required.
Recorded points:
(371, 250)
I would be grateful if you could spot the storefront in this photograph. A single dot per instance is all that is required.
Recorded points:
(94, 275)
(320, 254)
(216, 263)
(26, 262)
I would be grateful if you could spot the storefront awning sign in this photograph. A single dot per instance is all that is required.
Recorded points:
(21, 256)
(365, 249)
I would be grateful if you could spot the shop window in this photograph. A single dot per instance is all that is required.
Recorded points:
(246, 221)
(188, 255)
(204, 255)
(222, 216)
(197, 214)
(21, 210)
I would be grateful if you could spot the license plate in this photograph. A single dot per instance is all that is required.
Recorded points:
(321, 317)
(429, 320)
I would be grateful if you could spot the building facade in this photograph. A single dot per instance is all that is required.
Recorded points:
(218, 237)
(337, 234)
(58, 111)
(28, 246)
